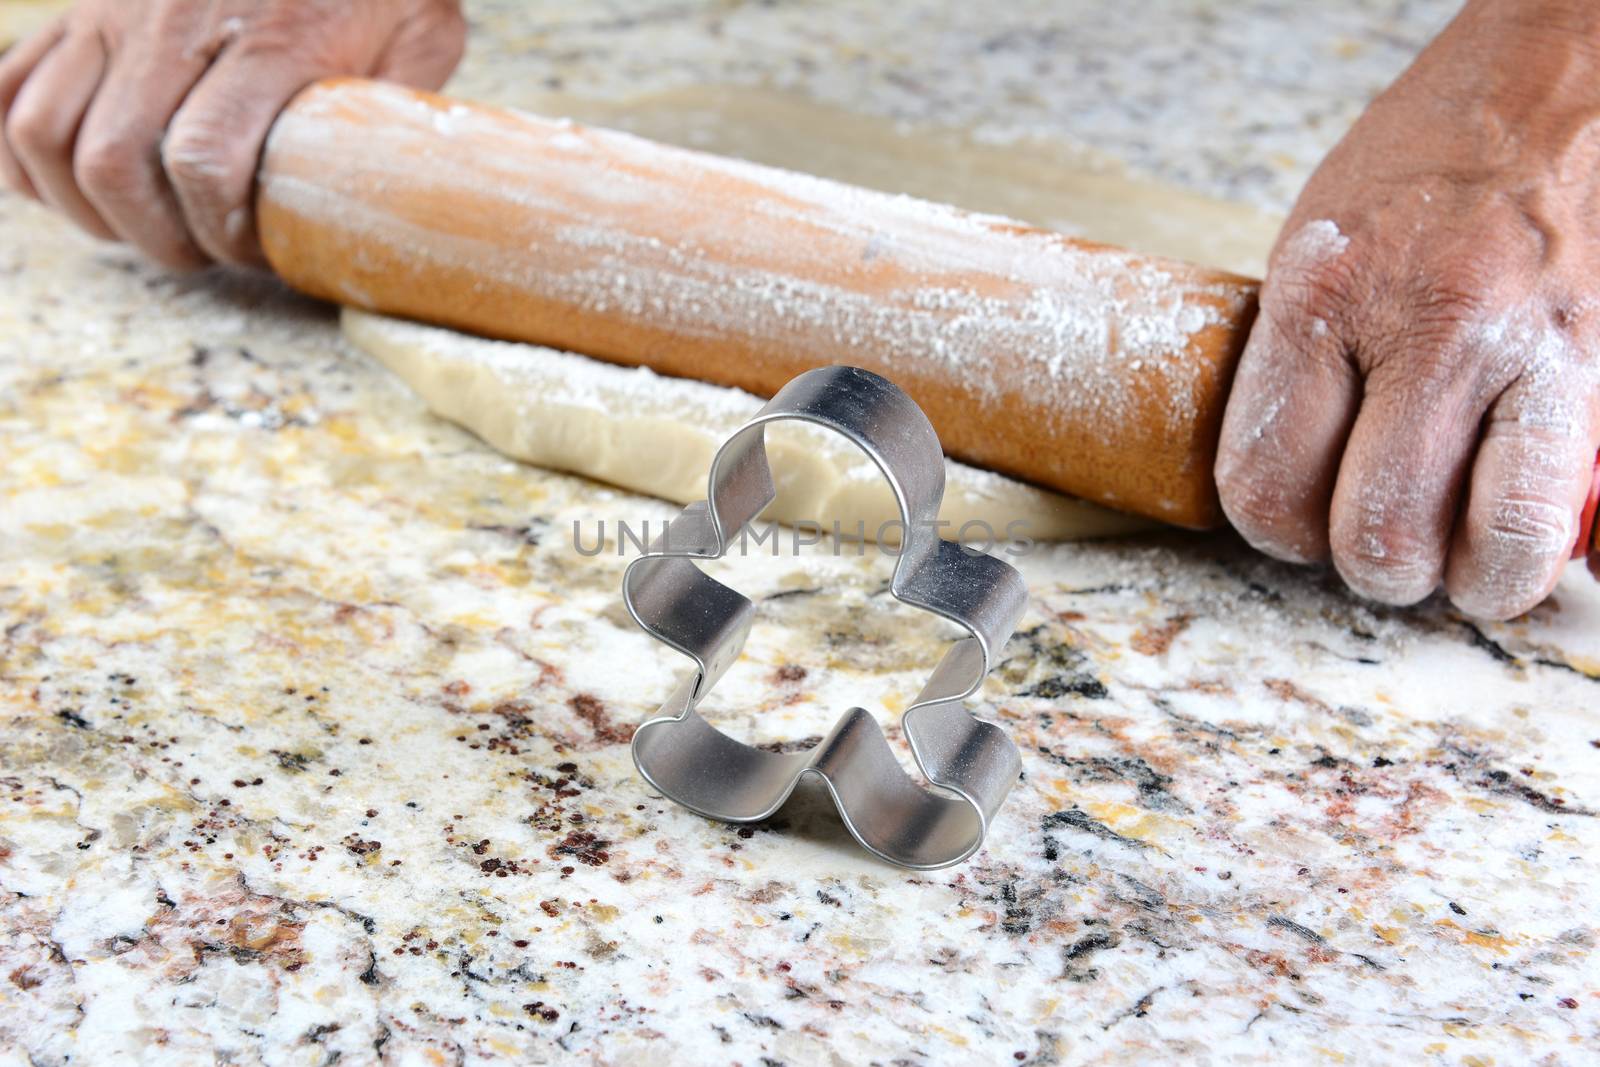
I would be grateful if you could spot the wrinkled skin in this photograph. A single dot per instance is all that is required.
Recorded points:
(144, 121)
(1419, 400)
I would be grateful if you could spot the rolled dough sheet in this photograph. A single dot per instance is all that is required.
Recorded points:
(18, 18)
(633, 428)
(656, 435)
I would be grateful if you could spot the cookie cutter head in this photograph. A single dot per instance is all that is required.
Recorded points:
(969, 764)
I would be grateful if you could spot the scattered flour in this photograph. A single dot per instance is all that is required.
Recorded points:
(1315, 243)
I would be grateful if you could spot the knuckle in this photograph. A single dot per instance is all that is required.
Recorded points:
(1310, 292)
(108, 167)
(1428, 344)
(1461, 282)
(274, 34)
(1411, 376)
(199, 161)
(212, 174)
(1279, 338)
(1451, 304)
(30, 132)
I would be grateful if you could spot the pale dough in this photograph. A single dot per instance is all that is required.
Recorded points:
(656, 435)
(636, 429)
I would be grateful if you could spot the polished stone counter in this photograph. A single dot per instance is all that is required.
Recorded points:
(313, 725)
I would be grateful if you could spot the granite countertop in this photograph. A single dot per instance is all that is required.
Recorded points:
(313, 726)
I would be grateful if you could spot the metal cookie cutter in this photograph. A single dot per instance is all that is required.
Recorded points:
(970, 764)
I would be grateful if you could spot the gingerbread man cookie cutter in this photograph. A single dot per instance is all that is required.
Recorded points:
(970, 765)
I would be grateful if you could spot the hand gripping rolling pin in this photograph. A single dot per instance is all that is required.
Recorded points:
(1081, 367)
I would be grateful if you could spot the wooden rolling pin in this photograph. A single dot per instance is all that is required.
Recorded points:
(1078, 366)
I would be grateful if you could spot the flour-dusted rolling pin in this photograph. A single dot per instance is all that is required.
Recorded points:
(1078, 366)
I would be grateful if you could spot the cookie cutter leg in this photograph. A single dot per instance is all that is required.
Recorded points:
(970, 764)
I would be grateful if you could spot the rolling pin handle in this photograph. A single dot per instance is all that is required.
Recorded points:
(1588, 529)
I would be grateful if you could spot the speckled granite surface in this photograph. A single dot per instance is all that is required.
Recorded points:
(1236, 98)
(313, 726)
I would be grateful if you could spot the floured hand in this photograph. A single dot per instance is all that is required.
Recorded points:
(1420, 398)
(144, 122)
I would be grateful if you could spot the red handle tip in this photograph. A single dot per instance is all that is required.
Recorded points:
(1586, 518)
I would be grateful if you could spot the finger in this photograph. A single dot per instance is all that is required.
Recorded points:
(44, 122)
(424, 52)
(117, 163)
(1293, 401)
(15, 66)
(1529, 484)
(1401, 476)
(213, 147)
